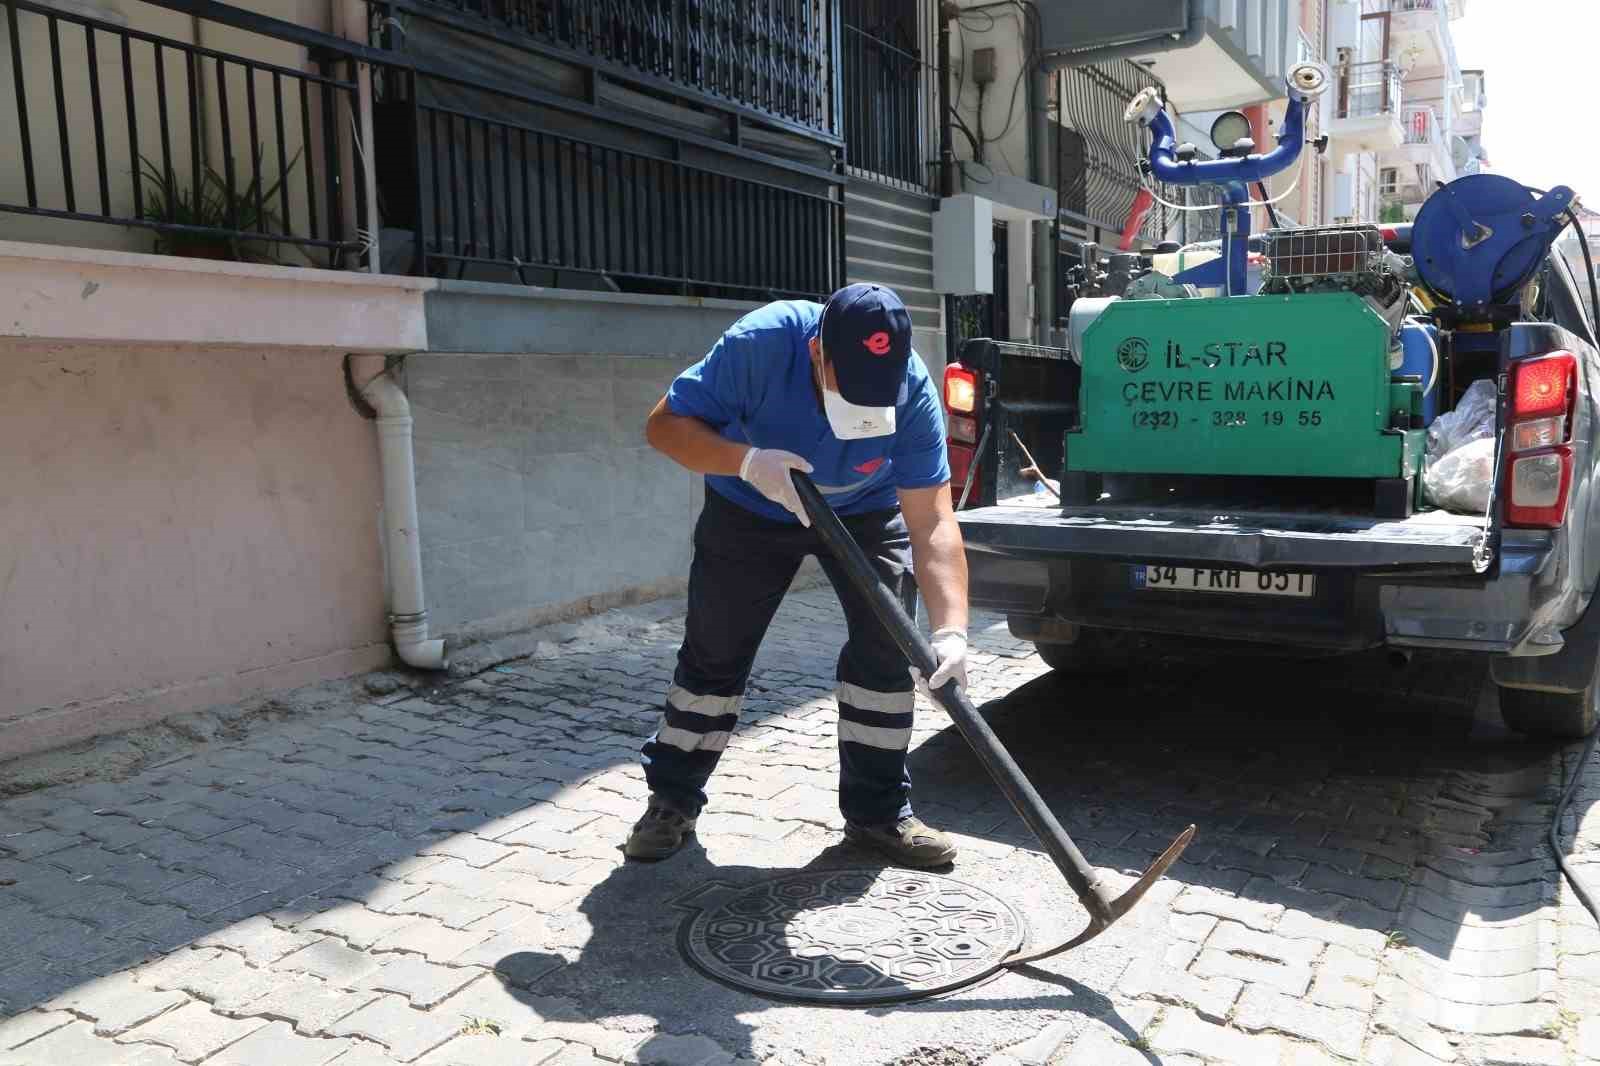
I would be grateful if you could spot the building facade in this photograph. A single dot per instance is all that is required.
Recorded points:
(1406, 117)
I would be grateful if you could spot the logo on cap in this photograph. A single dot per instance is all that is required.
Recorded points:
(878, 343)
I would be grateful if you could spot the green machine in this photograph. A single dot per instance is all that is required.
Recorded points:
(1301, 379)
(1281, 384)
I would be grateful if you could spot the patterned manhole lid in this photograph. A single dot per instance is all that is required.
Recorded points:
(849, 936)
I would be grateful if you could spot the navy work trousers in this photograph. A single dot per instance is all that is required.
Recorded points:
(743, 565)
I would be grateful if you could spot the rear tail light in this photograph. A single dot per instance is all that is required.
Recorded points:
(962, 470)
(1543, 386)
(1538, 433)
(961, 401)
(1539, 486)
(1539, 468)
(960, 389)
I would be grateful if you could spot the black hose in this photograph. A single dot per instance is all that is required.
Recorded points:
(1266, 201)
(1578, 887)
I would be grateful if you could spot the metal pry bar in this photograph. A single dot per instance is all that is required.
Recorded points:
(1092, 892)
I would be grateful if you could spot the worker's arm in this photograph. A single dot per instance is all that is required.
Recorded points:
(937, 555)
(691, 443)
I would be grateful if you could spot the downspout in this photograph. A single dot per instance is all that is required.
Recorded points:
(1044, 160)
(408, 613)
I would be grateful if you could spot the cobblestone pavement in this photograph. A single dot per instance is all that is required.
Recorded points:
(434, 876)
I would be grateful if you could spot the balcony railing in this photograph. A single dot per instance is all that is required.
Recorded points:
(773, 58)
(111, 125)
(1367, 90)
(226, 156)
(883, 92)
(1421, 124)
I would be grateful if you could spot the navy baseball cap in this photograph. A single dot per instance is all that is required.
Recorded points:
(866, 336)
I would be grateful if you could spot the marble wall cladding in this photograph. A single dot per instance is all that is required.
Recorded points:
(535, 487)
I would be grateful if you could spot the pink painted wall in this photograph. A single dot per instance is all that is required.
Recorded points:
(179, 527)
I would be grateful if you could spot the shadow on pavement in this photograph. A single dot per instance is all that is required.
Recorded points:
(1387, 799)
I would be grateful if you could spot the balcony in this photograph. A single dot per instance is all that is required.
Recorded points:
(1424, 142)
(1366, 109)
(1422, 28)
(1242, 58)
(298, 148)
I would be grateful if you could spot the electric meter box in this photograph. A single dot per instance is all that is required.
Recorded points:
(963, 246)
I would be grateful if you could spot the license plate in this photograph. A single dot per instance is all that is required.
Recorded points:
(1243, 582)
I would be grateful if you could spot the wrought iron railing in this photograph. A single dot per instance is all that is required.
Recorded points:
(1367, 90)
(775, 58)
(525, 199)
(226, 156)
(1098, 152)
(883, 122)
(111, 126)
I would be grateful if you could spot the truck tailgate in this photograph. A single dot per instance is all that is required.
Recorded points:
(1037, 526)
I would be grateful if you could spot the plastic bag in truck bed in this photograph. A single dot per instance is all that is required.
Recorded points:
(1459, 469)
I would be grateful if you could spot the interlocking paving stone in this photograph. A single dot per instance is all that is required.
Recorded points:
(76, 1045)
(31, 1025)
(432, 939)
(1212, 998)
(1339, 1030)
(310, 1004)
(330, 960)
(420, 981)
(490, 1050)
(522, 782)
(355, 924)
(258, 940)
(1290, 978)
(277, 1044)
(193, 1031)
(117, 1004)
(1182, 1032)
(405, 1032)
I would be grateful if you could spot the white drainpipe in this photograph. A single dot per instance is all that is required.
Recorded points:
(408, 613)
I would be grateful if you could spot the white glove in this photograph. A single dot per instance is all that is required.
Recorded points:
(767, 469)
(950, 648)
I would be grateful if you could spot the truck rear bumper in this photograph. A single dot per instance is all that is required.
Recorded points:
(1418, 583)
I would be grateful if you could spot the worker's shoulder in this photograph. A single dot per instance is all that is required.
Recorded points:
(782, 321)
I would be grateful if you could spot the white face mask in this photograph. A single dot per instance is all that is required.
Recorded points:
(852, 422)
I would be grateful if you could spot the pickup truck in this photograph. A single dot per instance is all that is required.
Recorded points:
(1133, 564)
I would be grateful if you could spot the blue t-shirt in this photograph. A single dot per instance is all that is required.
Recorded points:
(756, 387)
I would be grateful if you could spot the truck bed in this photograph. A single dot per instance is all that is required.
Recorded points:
(1036, 525)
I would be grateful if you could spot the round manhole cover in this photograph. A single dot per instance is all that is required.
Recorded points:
(852, 936)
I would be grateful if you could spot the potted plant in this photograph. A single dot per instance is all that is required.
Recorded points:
(213, 206)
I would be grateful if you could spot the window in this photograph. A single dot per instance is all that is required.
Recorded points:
(1389, 181)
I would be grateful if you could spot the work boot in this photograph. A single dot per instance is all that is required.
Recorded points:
(660, 833)
(909, 842)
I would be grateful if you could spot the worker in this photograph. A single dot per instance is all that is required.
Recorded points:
(835, 391)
